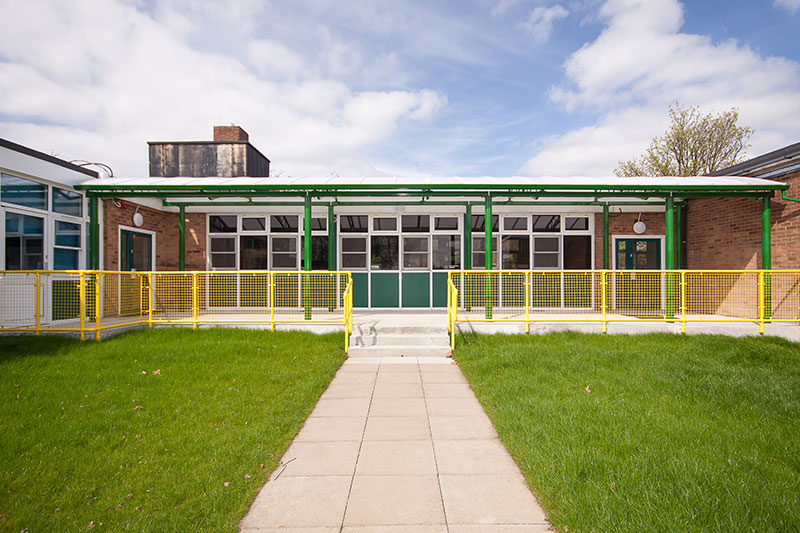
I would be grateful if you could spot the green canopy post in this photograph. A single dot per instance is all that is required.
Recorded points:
(94, 234)
(182, 238)
(307, 256)
(605, 236)
(487, 261)
(766, 252)
(669, 216)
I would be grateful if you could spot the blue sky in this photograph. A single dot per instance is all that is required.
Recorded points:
(489, 87)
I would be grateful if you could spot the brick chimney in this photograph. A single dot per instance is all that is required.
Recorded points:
(229, 133)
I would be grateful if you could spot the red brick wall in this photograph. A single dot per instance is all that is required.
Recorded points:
(725, 233)
(165, 226)
(195, 241)
(622, 224)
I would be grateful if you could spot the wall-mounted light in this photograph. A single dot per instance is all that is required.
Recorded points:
(639, 227)
(138, 219)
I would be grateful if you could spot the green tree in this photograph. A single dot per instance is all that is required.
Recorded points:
(694, 145)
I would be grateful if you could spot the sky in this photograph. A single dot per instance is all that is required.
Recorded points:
(394, 87)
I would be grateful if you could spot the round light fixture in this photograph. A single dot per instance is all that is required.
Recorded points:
(639, 227)
(138, 219)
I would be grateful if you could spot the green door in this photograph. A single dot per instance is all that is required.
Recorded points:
(639, 293)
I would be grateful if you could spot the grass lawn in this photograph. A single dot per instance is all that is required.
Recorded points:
(154, 430)
(647, 433)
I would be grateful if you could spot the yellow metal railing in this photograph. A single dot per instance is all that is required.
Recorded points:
(90, 302)
(606, 296)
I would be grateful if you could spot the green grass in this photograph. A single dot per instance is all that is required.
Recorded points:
(678, 433)
(143, 431)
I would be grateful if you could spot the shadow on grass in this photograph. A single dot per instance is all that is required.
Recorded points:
(13, 346)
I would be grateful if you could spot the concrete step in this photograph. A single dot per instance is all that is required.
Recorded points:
(370, 329)
(399, 340)
(391, 350)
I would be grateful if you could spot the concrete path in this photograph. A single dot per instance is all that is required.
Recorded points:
(396, 444)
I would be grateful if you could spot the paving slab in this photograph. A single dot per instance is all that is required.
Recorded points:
(393, 447)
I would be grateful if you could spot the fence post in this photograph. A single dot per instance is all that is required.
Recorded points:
(527, 285)
(82, 303)
(98, 302)
(683, 301)
(603, 299)
(761, 302)
(195, 300)
(272, 301)
(38, 284)
(150, 289)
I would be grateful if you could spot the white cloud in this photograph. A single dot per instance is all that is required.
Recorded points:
(639, 65)
(541, 21)
(792, 5)
(96, 79)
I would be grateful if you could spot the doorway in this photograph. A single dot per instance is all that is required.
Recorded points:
(638, 293)
(135, 255)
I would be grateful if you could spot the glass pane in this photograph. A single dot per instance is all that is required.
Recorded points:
(445, 223)
(515, 223)
(223, 245)
(23, 192)
(354, 260)
(545, 244)
(446, 252)
(319, 252)
(416, 223)
(384, 224)
(415, 260)
(253, 224)
(68, 234)
(319, 224)
(223, 260)
(546, 223)
(353, 223)
(253, 252)
(478, 223)
(67, 202)
(24, 242)
(385, 252)
(65, 259)
(516, 252)
(283, 223)
(283, 244)
(576, 223)
(358, 244)
(545, 260)
(577, 252)
(415, 244)
(284, 260)
(478, 254)
(137, 252)
(222, 224)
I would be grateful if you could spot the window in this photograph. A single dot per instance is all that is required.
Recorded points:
(353, 223)
(577, 252)
(545, 252)
(284, 252)
(416, 223)
(66, 202)
(23, 192)
(283, 223)
(252, 251)
(445, 223)
(253, 224)
(479, 221)
(222, 224)
(479, 251)
(546, 223)
(384, 224)
(576, 223)
(384, 251)
(415, 252)
(516, 252)
(67, 245)
(319, 224)
(24, 242)
(223, 252)
(515, 223)
(354, 252)
(446, 252)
